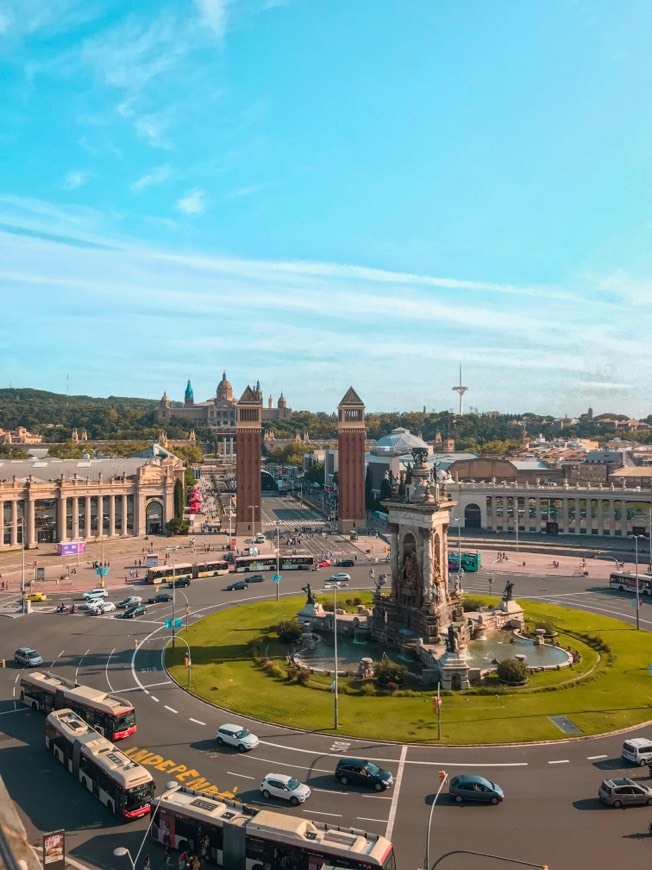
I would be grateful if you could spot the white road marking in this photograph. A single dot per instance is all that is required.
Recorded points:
(171, 709)
(316, 813)
(17, 710)
(154, 698)
(378, 797)
(241, 775)
(196, 721)
(596, 757)
(366, 819)
(561, 761)
(106, 669)
(397, 787)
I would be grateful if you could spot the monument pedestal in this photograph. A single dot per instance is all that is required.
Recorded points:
(454, 670)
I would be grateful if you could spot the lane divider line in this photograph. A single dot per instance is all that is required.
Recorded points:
(397, 787)
(561, 761)
(197, 722)
(171, 709)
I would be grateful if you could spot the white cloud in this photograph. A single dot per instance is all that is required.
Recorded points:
(193, 202)
(213, 14)
(73, 180)
(152, 179)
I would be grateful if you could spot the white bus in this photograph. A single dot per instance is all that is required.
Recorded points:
(113, 717)
(238, 837)
(122, 785)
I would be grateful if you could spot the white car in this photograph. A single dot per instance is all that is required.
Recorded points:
(107, 606)
(287, 788)
(95, 593)
(340, 576)
(94, 607)
(236, 735)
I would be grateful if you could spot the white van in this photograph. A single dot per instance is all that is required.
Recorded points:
(260, 538)
(638, 750)
(94, 594)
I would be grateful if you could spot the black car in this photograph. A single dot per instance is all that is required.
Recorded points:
(133, 612)
(239, 584)
(160, 596)
(255, 578)
(345, 563)
(359, 771)
(180, 581)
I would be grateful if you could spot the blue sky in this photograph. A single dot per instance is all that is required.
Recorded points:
(318, 193)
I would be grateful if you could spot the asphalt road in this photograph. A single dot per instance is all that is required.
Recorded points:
(551, 813)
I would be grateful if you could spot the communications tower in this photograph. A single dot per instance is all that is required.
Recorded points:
(460, 390)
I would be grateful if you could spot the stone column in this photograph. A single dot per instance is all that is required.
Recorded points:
(62, 531)
(88, 528)
(2, 522)
(123, 530)
(564, 514)
(600, 515)
(537, 512)
(111, 516)
(578, 518)
(75, 518)
(14, 524)
(29, 525)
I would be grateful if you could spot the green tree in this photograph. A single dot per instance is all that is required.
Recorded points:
(178, 501)
(512, 671)
(386, 671)
(288, 630)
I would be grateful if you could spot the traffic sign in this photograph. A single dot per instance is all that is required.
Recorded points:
(276, 578)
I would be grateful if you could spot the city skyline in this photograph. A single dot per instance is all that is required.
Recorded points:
(319, 195)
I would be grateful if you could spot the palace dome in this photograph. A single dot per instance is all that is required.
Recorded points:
(399, 442)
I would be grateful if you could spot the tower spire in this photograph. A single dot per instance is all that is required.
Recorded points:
(460, 390)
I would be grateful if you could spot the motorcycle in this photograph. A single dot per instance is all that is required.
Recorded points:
(63, 608)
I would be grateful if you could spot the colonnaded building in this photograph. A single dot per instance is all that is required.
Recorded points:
(46, 501)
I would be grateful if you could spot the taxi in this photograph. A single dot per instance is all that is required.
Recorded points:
(36, 596)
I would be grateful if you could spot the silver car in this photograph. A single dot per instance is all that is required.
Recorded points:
(280, 785)
(624, 793)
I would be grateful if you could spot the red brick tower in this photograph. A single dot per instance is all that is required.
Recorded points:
(351, 435)
(248, 463)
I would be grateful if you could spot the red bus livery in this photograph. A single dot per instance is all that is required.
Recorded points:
(111, 716)
(122, 785)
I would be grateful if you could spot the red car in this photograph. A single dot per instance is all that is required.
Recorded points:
(324, 563)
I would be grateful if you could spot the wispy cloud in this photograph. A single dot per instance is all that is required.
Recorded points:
(241, 192)
(151, 179)
(192, 203)
(212, 13)
(76, 179)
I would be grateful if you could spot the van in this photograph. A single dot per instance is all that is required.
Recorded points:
(638, 750)
(260, 538)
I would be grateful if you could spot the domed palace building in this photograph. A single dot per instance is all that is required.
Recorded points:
(219, 412)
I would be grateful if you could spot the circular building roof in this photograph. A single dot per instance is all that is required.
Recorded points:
(397, 443)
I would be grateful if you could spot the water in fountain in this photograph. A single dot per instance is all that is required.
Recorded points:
(498, 645)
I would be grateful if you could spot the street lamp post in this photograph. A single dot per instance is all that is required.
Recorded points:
(336, 713)
(638, 588)
(122, 851)
(22, 563)
(443, 777)
(188, 661)
(278, 561)
(173, 550)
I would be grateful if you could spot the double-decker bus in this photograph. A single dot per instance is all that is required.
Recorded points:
(122, 785)
(302, 562)
(229, 834)
(165, 573)
(627, 582)
(470, 561)
(212, 568)
(113, 717)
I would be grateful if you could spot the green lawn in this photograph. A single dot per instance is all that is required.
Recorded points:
(607, 691)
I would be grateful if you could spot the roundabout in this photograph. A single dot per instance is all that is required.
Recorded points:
(248, 672)
(551, 813)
